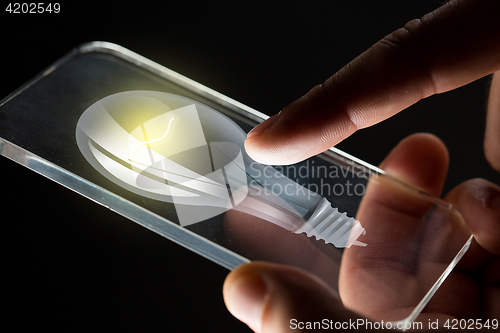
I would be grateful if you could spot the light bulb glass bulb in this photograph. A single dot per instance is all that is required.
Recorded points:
(174, 149)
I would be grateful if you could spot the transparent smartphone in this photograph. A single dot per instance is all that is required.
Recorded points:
(167, 153)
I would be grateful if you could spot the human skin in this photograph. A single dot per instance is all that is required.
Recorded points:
(450, 47)
(266, 296)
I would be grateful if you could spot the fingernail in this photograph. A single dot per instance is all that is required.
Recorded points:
(264, 126)
(247, 297)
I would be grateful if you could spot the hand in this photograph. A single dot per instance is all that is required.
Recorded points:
(267, 296)
(450, 47)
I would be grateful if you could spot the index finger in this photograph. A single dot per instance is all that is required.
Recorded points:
(447, 48)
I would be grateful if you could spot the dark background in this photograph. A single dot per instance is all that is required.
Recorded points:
(69, 264)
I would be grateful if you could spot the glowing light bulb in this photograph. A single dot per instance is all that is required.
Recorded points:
(174, 149)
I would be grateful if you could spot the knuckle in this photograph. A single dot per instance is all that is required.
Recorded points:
(404, 38)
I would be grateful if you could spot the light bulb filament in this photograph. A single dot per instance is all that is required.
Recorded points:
(154, 140)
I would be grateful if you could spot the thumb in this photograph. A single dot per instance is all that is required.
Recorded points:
(275, 298)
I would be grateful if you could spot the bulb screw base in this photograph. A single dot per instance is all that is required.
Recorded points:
(332, 226)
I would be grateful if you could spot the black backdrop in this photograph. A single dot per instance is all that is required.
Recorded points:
(72, 265)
